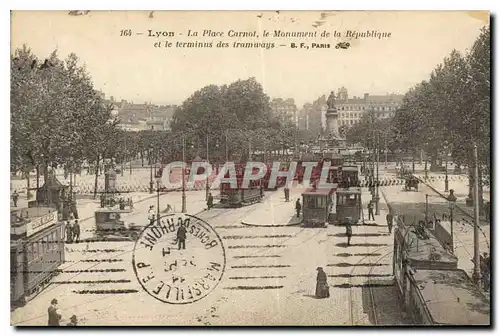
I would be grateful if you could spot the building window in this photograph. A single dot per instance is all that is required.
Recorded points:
(350, 122)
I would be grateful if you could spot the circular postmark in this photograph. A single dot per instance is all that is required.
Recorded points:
(176, 270)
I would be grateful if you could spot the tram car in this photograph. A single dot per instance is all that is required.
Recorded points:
(316, 206)
(238, 196)
(348, 205)
(36, 251)
(349, 176)
(433, 290)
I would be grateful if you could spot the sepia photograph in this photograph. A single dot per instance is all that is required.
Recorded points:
(250, 168)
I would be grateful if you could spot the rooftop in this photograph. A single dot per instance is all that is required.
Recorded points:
(452, 298)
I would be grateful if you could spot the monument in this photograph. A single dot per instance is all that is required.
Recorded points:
(332, 141)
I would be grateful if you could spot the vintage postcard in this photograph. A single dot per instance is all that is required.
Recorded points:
(250, 168)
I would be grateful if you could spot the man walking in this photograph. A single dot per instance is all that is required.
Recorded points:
(298, 207)
(210, 201)
(370, 211)
(54, 316)
(69, 232)
(287, 194)
(181, 237)
(389, 219)
(151, 214)
(76, 231)
(15, 197)
(348, 233)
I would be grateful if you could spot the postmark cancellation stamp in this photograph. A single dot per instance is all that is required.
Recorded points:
(179, 259)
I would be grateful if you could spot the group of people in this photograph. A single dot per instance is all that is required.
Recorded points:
(485, 269)
(72, 231)
(54, 318)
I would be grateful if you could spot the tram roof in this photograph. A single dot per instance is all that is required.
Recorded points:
(350, 168)
(452, 298)
(419, 250)
(351, 190)
(318, 192)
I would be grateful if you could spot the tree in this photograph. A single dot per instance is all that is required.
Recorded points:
(57, 115)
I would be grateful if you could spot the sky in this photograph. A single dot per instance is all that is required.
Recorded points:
(131, 68)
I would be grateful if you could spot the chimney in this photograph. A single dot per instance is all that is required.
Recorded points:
(366, 96)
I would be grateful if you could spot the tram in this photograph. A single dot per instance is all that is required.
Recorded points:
(348, 205)
(237, 196)
(36, 251)
(434, 291)
(317, 204)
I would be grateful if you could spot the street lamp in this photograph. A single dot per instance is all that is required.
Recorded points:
(183, 174)
(158, 180)
(426, 208)
(445, 166)
(451, 202)
(425, 165)
(377, 210)
(151, 183)
(207, 188)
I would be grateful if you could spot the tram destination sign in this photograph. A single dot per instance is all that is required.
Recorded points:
(39, 223)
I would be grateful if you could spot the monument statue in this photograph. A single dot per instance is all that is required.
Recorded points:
(331, 100)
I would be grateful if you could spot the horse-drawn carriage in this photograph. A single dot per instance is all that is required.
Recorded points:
(411, 183)
(109, 225)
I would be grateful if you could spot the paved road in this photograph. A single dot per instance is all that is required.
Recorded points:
(269, 280)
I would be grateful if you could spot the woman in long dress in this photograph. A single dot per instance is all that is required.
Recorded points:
(322, 289)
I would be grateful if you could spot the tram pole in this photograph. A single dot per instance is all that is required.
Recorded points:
(377, 210)
(207, 188)
(477, 272)
(183, 174)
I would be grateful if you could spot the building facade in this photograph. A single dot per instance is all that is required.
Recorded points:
(285, 110)
(352, 109)
(135, 117)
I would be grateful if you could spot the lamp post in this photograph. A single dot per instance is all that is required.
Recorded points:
(207, 187)
(385, 143)
(451, 202)
(446, 166)
(377, 210)
(477, 271)
(183, 174)
(158, 179)
(426, 208)
(151, 170)
(425, 158)
(227, 149)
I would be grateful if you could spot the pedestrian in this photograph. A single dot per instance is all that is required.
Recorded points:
(484, 266)
(74, 209)
(76, 231)
(15, 197)
(181, 237)
(389, 219)
(103, 200)
(298, 207)
(151, 214)
(54, 316)
(73, 321)
(69, 232)
(210, 201)
(287, 194)
(370, 211)
(322, 289)
(487, 210)
(348, 233)
(122, 203)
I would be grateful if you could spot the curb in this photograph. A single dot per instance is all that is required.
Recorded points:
(456, 205)
(271, 225)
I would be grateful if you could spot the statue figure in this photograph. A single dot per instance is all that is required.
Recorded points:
(331, 100)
